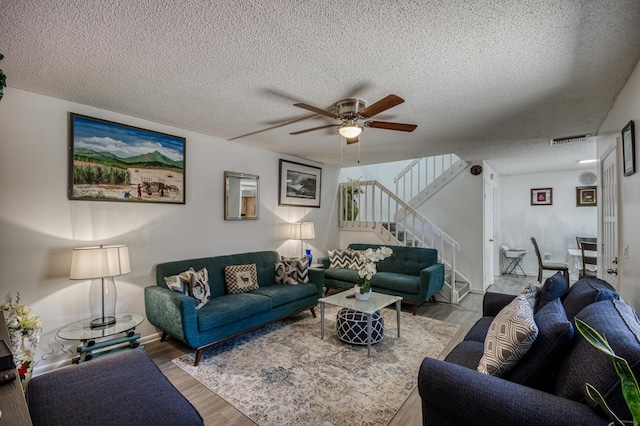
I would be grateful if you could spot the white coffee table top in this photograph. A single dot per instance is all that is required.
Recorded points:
(376, 301)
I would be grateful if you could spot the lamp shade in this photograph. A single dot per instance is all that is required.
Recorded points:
(99, 262)
(302, 231)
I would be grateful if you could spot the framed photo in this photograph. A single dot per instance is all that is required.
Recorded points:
(115, 162)
(299, 185)
(586, 196)
(542, 196)
(629, 149)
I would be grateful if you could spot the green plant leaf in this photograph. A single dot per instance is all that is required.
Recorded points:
(593, 337)
(629, 385)
(598, 399)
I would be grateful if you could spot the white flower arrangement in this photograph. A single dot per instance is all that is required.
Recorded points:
(22, 325)
(369, 269)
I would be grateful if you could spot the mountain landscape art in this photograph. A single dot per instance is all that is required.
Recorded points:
(116, 162)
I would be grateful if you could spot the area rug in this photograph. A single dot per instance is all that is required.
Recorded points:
(285, 374)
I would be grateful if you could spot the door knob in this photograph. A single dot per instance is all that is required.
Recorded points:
(612, 271)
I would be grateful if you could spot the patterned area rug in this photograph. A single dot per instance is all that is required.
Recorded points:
(285, 374)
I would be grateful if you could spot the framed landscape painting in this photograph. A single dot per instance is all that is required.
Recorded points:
(299, 185)
(586, 196)
(115, 162)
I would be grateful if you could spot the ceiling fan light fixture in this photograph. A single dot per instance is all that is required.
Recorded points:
(350, 131)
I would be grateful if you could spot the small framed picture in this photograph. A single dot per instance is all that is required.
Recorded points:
(629, 149)
(299, 185)
(586, 196)
(542, 196)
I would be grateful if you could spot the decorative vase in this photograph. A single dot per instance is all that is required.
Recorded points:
(24, 365)
(361, 296)
(307, 252)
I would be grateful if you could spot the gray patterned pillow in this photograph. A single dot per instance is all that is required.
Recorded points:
(530, 292)
(199, 288)
(292, 270)
(241, 278)
(340, 258)
(510, 335)
(180, 282)
(357, 259)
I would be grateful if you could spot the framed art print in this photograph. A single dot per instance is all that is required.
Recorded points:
(115, 162)
(629, 149)
(542, 196)
(300, 185)
(586, 196)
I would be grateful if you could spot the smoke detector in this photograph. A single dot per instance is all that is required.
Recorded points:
(587, 178)
(569, 139)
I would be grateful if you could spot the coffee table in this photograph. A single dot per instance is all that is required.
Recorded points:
(346, 299)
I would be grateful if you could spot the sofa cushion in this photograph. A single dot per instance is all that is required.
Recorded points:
(585, 292)
(340, 258)
(281, 294)
(583, 364)
(394, 281)
(467, 354)
(555, 333)
(341, 274)
(241, 278)
(292, 270)
(479, 330)
(511, 334)
(228, 309)
(555, 286)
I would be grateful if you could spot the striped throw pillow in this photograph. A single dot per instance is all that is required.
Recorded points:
(292, 270)
(340, 258)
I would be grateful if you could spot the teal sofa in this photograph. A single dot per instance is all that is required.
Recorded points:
(226, 315)
(412, 272)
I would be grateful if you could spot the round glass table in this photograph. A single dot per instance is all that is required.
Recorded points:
(105, 339)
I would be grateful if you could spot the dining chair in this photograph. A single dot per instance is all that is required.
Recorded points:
(589, 257)
(586, 240)
(549, 266)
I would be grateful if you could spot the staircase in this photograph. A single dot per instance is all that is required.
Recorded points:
(368, 206)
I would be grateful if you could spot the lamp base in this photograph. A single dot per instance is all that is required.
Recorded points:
(102, 322)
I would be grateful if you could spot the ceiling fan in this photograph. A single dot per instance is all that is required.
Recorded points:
(351, 111)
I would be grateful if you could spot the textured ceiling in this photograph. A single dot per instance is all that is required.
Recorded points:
(487, 80)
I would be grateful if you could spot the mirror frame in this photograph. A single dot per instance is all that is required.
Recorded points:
(227, 175)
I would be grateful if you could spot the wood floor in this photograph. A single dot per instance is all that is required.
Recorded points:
(216, 411)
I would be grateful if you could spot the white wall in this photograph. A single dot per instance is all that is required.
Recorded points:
(626, 108)
(554, 227)
(39, 226)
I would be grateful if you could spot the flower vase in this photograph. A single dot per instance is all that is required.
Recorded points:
(361, 296)
(24, 365)
(307, 253)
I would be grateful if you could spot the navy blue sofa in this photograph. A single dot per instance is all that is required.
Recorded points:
(547, 386)
(412, 272)
(226, 315)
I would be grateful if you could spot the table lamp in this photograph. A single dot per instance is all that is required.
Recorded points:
(100, 264)
(303, 231)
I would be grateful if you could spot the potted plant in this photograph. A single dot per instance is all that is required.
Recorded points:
(362, 289)
(351, 192)
(628, 382)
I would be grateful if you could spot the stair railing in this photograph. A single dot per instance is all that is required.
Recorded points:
(368, 205)
(424, 172)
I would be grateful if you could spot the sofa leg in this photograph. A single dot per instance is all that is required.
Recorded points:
(313, 311)
(415, 309)
(164, 336)
(198, 357)
(326, 290)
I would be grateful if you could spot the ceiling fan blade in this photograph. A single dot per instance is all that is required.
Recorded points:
(391, 126)
(312, 129)
(271, 128)
(352, 140)
(382, 105)
(317, 110)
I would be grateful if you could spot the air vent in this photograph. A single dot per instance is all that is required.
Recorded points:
(570, 139)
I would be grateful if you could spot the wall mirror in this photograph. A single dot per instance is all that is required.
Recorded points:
(241, 196)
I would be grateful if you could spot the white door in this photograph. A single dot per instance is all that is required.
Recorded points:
(608, 255)
(488, 254)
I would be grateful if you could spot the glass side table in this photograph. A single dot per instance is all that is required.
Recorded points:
(107, 339)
